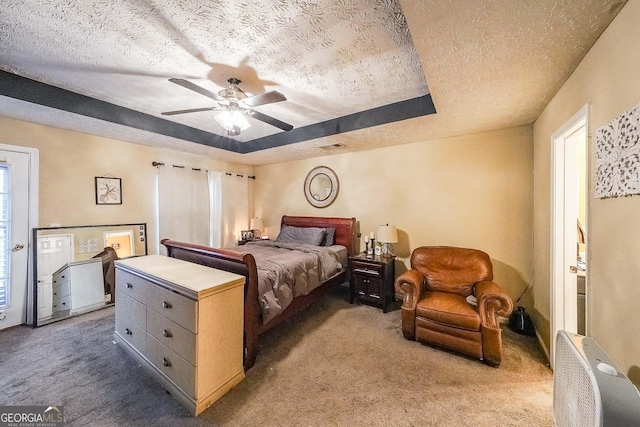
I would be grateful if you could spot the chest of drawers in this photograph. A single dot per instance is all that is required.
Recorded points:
(184, 323)
(77, 287)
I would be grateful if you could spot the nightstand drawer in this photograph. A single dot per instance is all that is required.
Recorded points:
(370, 269)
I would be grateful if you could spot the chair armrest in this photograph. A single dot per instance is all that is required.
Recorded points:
(409, 284)
(492, 302)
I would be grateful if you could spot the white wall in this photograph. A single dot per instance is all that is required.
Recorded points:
(607, 79)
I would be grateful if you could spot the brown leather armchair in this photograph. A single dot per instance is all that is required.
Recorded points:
(435, 310)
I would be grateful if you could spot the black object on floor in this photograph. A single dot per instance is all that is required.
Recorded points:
(521, 322)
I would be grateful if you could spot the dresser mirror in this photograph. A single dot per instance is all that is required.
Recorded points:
(73, 268)
(321, 187)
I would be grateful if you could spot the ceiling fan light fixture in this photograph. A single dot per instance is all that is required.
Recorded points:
(232, 121)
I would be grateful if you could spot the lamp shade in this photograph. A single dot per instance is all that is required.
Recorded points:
(231, 120)
(257, 224)
(387, 234)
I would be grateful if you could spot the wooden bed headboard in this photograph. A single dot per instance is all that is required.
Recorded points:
(345, 228)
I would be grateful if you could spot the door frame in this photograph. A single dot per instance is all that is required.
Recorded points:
(129, 233)
(32, 215)
(559, 232)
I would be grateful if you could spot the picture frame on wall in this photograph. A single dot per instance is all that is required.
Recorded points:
(108, 190)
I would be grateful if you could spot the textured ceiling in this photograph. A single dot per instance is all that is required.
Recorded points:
(490, 64)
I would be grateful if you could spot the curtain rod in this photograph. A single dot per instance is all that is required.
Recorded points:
(160, 164)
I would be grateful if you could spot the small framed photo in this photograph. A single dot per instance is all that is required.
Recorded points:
(108, 191)
(246, 235)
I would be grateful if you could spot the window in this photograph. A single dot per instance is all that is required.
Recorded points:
(5, 227)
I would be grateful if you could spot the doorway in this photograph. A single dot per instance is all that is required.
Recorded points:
(121, 242)
(569, 227)
(18, 194)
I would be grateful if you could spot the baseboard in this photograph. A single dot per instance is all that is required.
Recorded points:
(543, 347)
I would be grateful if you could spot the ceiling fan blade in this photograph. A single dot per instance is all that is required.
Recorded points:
(271, 121)
(265, 98)
(192, 110)
(194, 87)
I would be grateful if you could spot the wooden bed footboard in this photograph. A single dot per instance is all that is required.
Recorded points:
(246, 265)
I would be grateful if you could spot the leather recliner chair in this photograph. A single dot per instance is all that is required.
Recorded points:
(435, 309)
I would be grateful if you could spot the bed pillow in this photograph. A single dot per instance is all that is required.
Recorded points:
(309, 235)
(329, 235)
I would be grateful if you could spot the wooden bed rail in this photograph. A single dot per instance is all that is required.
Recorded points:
(245, 265)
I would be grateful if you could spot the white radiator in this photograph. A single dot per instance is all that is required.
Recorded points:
(588, 390)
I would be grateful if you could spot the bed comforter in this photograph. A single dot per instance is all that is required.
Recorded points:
(287, 270)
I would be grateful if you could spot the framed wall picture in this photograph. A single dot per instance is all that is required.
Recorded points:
(108, 191)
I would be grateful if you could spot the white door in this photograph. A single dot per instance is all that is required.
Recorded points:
(14, 237)
(54, 251)
(564, 229)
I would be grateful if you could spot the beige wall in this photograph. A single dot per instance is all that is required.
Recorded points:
(609, 81)
(69, 161)
(471, 191)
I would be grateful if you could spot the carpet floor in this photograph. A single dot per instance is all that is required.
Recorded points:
(334, 364)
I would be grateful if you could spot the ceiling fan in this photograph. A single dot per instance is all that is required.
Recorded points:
(234, 105)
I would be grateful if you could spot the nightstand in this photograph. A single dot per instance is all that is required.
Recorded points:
(372, 280)
(244, 242)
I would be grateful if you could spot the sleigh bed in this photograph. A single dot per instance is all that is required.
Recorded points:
(258, 314)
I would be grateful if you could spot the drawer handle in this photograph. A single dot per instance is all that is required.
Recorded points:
(129, 285)
(128, 331)
(166, 333)
(166, 304)
(165, 362)
(366, 271)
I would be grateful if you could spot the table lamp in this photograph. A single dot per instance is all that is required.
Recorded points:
(257, 225)
(387, 234)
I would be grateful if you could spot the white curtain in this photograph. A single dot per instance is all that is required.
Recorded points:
(235, 208)
(183, 206)
(215, 195)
